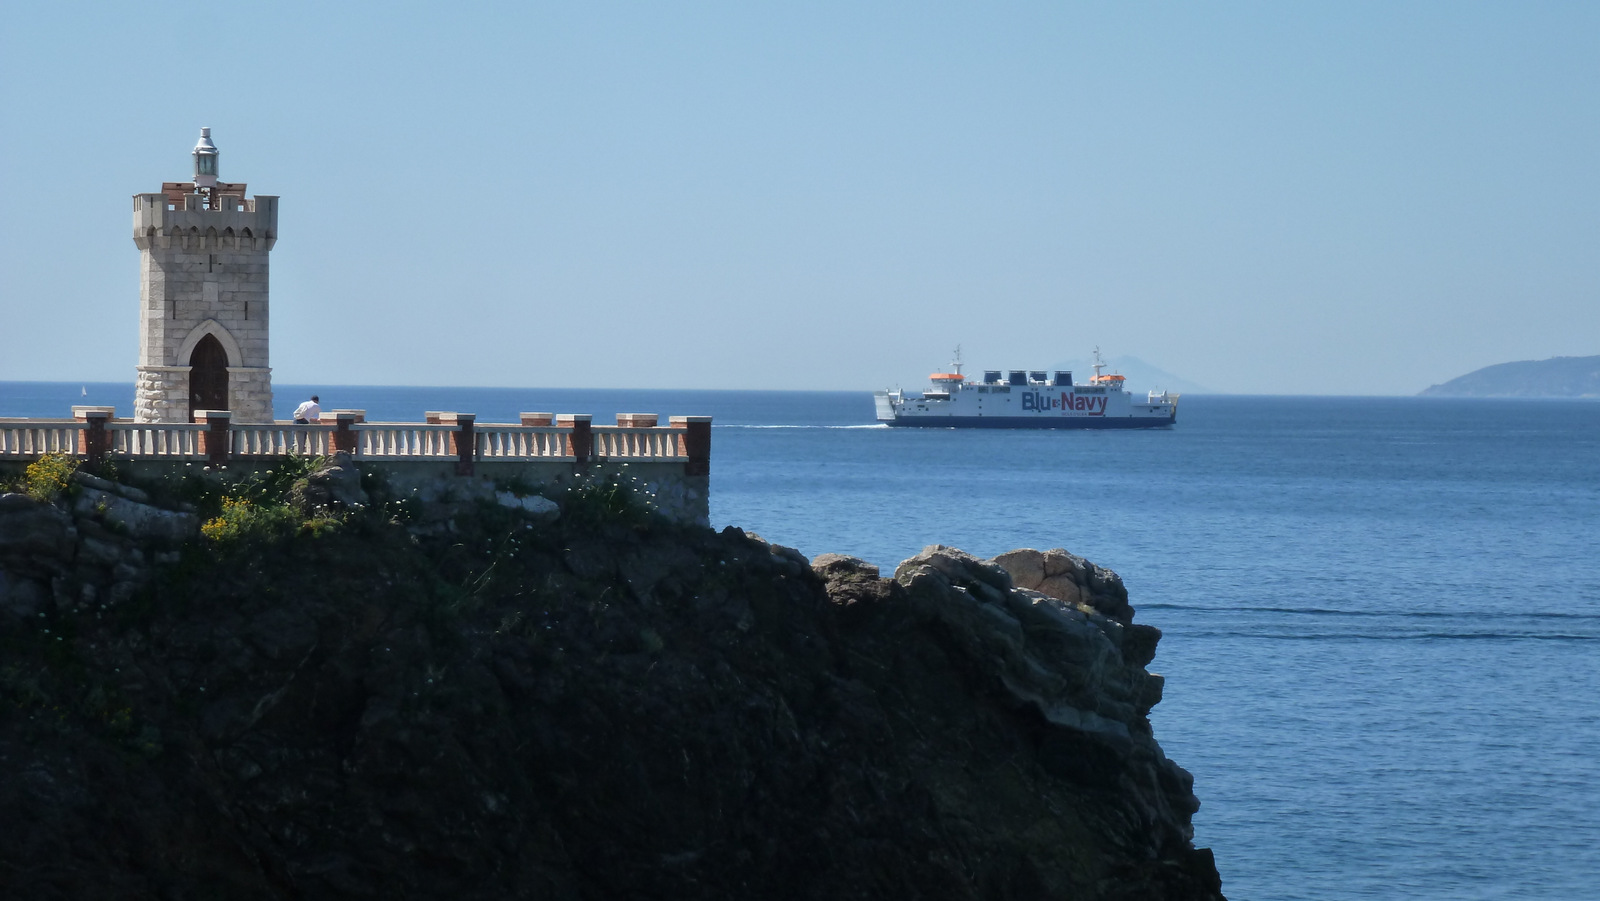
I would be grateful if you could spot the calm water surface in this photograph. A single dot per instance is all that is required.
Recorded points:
(1382, 616)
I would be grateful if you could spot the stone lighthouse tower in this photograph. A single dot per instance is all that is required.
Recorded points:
(203, 308)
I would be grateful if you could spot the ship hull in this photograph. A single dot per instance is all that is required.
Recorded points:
(1029, 422)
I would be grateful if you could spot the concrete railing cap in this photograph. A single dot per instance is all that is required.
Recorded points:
(86, 412)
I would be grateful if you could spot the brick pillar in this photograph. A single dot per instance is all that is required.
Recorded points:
(94, 442)
(638, 420)
(344, 439)
(465, 442)
(433, 417)
(537, 419)
(215, 441)
(580, 444)
(696, 444)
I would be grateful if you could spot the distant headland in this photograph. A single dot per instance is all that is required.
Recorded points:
(1555, 377)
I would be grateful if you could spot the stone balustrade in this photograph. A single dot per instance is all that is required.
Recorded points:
(215, 438)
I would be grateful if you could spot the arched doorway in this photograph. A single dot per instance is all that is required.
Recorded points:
(208, 376)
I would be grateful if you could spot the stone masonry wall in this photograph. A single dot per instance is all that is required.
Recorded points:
(250, 394)
(160, 394)
(203, 272)
(661, 486)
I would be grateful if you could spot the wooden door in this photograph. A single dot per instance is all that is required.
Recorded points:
(208, 376)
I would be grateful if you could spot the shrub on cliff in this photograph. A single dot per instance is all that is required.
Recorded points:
(48, 476)
(241, 519)
(260, 508)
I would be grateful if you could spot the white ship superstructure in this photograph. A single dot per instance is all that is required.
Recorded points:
(1026, 399)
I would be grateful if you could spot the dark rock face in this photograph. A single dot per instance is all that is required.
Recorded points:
(83, 555)
(544, 710)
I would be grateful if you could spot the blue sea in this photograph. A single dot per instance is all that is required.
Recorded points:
(1381, 615)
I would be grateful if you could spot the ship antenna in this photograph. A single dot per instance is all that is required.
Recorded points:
(1097, 364)
(957, 363)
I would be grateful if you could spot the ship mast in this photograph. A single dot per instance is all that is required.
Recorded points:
(956, 365)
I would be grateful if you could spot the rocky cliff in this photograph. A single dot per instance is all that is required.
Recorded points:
(469, 700)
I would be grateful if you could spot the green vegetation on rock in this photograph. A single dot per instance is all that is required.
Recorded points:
(47, 477)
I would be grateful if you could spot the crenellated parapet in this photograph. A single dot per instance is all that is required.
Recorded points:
(184, 222)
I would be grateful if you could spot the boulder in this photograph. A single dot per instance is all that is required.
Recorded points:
(786, 557)
(540, 508)
(138, 519)
(336, 484)
(842, 568)
(1069, 578)
(957, 567)
(95, 482)
(854, 585)
(35, 534)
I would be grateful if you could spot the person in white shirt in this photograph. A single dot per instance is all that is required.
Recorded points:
(305, 414)
(308, 412)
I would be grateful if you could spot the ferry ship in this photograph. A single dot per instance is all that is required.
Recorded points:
(1026, 399)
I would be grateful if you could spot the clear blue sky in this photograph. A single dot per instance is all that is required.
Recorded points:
(1330, 198)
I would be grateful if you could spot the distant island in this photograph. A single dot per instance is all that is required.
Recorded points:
(1555, 377)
